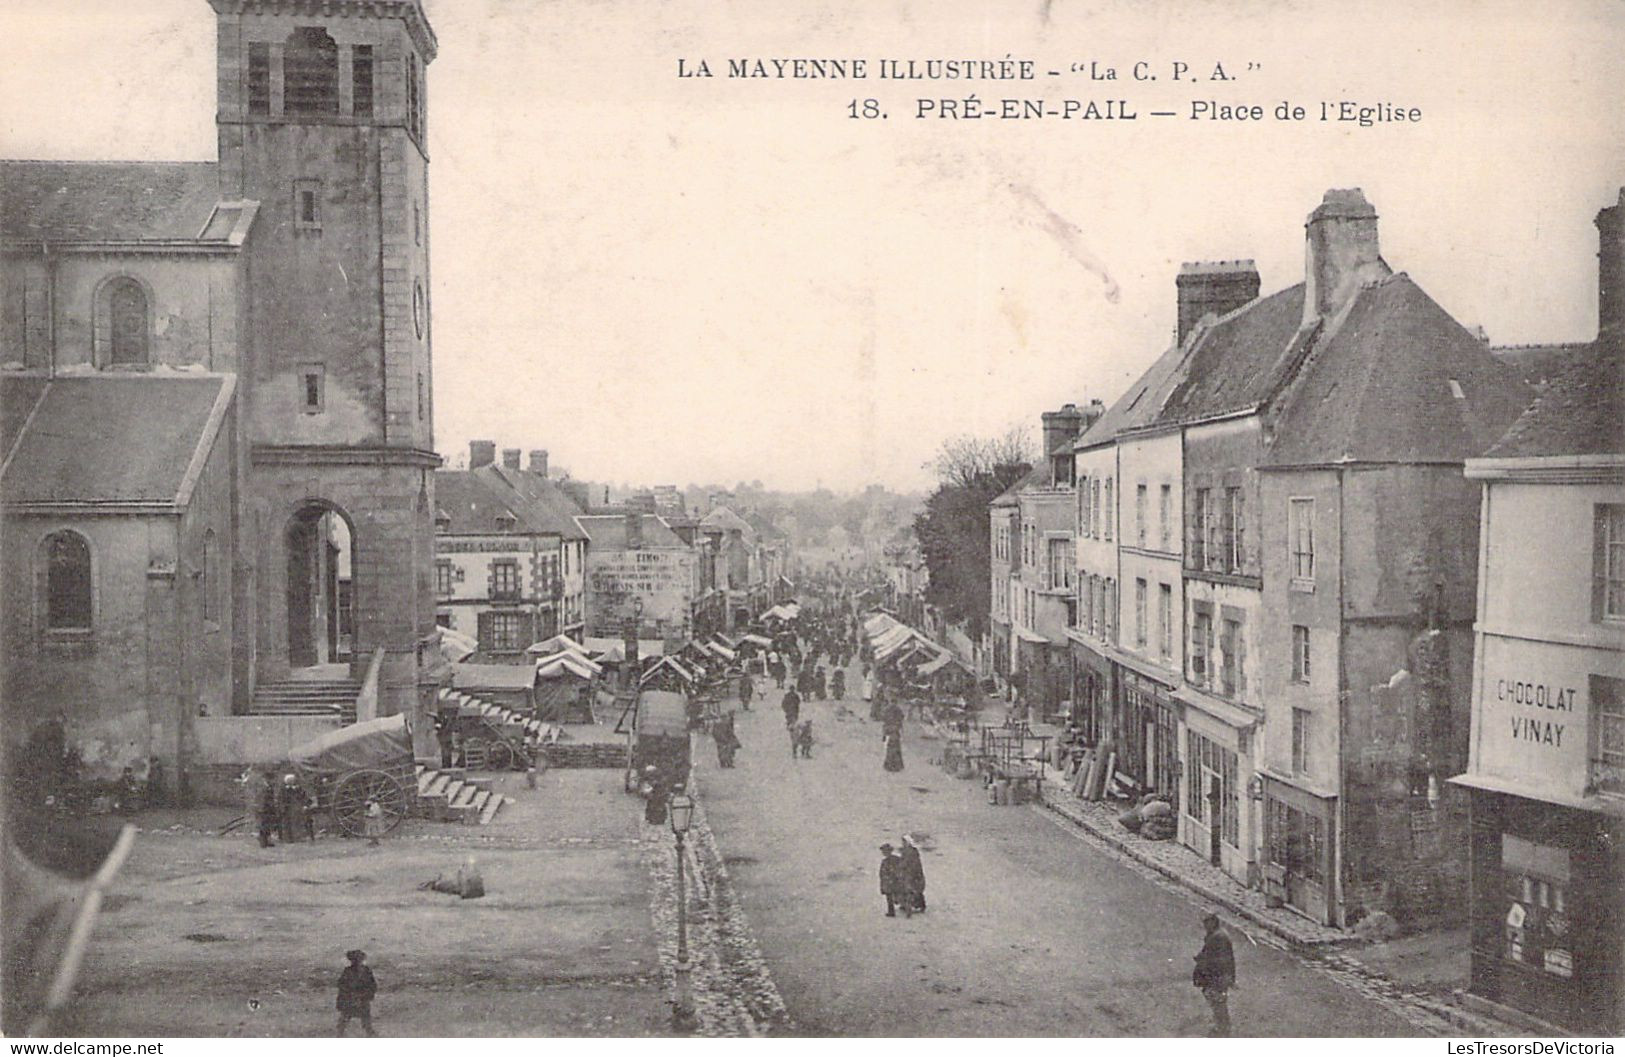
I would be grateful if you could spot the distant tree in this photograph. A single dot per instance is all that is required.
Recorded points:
(953, 531)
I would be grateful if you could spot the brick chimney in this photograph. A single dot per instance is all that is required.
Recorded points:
(634, 531)
(1092, 413)
(1213, 286)
(481, 453)
(510, 458)
(1061, 426)
(1611, 266)
(1341, 252)
(538, 461)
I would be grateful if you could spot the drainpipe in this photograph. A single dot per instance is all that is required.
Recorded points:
(50, 307)
(1344, 696)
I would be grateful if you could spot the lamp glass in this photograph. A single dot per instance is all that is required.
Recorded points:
(681, 812)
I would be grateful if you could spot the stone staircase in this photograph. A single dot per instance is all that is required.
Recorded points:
(307, 697)
(451, 795)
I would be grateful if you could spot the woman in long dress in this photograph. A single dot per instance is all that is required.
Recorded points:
(894, 751)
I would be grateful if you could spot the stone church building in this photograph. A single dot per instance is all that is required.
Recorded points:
(216, 428)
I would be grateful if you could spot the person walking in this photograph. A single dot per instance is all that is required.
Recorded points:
(913, 872)
(357, 986)
(727, 741)
(1215, 974)
(892, 735)
(373, 822)
(747, 690)
(837, 684)
(820, 683)
(791, 704)
(801, 739)
(891, 879)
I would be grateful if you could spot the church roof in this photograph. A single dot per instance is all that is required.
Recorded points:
(100, 439)
(1397, 381)
(116, 201)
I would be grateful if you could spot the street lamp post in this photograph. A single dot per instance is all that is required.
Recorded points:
(681, 812)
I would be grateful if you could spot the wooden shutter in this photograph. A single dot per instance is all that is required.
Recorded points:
(1599, 561)
(485, 631)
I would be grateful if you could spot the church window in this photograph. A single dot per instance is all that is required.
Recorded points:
(206, 579)
(307, 204)
(259, 78)
(127, 321)
(312, 383)
(67, 582)
(414, 121)
(310, 72)
(361, 80)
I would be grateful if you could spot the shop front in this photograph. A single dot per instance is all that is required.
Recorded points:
(1216, 814)
(1299, 838)
(1147, 733)
(1548, 882)
(1092, 694)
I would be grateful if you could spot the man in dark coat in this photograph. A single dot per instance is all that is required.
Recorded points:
(1215, 974)
(356, 988)
(891, 879)
(747, 690)
(913, 872)
(792, 707)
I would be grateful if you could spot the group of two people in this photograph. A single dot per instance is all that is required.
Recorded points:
(902, 878)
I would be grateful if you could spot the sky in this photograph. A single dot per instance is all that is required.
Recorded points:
(675, 280)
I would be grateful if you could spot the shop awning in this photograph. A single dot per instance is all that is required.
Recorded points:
(493, 676)
(1228, 713)
(611, 649)
(1604, 805)
(1028, 635)
(759, 640)
(556, 644)
(569, 662)
(455, 646)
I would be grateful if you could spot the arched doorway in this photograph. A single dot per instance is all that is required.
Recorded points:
(321, 597)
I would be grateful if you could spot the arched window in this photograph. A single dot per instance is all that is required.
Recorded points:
(207, 581)
(67, 582)
(127, 322)
(310, 72)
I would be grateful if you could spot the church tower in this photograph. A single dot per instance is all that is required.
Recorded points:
(322, 121)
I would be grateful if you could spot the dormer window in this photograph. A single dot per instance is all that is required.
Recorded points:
(506, 522)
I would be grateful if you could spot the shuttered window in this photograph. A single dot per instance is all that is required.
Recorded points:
(1608, 562)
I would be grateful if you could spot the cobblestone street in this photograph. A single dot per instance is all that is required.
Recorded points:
(1034, 926)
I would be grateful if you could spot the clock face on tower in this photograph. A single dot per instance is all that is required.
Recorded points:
(419, 309)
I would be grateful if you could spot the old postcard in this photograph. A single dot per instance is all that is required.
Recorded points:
(560, 517)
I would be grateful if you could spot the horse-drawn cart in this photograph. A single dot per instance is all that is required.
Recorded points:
(361, 764)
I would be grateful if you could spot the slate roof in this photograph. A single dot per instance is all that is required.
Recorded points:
(548, 504)
(1382, 387)
(1537, 363)
(608, 532)
(66, 201)
(112, 438)
(1580, 412)
(1142, 403)
(725, 519)
(467, 506)
(18, 395)
(1239, 361)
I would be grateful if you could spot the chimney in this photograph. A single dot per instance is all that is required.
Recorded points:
(1061, 426)
(1341, 252)
(634, 531)
(510, 458)
(1091, 414)
(538, 461)
(1611, 266)
(1218, 287)
(481, 453)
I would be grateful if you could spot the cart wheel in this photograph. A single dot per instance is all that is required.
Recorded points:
(354, 790)
(499, 756)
